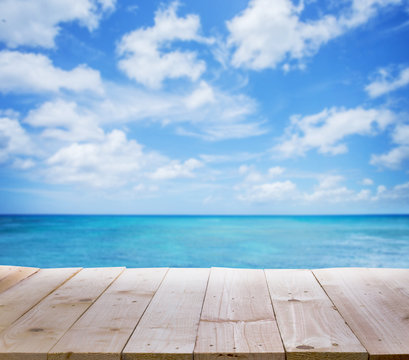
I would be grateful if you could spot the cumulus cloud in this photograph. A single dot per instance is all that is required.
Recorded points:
(258, 186)
(14, 141)
(32, 73)
(63, 120)
(329, 181)
(201, 111)
(252, 175)
(397, 155)
(337, 195)
(275, 171)
(145, 55)
(367, 182)
(177, 169)
(386, 83)
(330, 189)
(274, 191)
(112, 162)
(326, 130)
(37, 23)
(265, 34)
(201, 96)
(23, 164)
(398, 193)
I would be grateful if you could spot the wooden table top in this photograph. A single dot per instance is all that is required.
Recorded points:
(205, 314)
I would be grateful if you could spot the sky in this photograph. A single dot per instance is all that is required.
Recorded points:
(204, 107)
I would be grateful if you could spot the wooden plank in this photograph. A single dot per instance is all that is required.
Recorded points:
(310, 326)
(168, 328)
(6, 270)
(36, 332)
(20, 298)
(237, 318)
(11, 275)
(104, 329)
(375, 304)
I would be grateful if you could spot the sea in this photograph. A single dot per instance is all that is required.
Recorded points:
(48, 241)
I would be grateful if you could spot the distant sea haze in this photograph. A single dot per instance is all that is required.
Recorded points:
(205, 241)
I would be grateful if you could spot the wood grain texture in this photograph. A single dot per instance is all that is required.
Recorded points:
(11, 275)
(104, 329)
(5, 270)
(92, 313)
(310, 326)
(36, 332)
(237, 318)
(20, 298)
(375, 304)
(168, 328)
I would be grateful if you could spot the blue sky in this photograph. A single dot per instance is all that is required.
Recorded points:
(204, 107)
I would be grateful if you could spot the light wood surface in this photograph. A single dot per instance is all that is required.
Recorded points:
(37, 331)
(237, 318)
(17, 300)
(310, 326)
(183, 314)
(168, 328)
(375, 304)
(102, 332)
(11, 275)
(5, 270)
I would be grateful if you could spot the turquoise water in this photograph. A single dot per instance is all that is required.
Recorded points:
(204, 241)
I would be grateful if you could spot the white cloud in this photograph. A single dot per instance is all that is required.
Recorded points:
(399, 193)
(395, 157)
(14, 141)
(144, 58)
(254, 176)
(329, 181)
(251, 175)
(275, 191)
(331, 190)
(266, 34)
(233, 157)
(385, 83)
(142, 188)
(23, 164)
(213, 131)
(176, 169)
(37, 23)
(114, 161)
(335, 195)
(64, 121)
(107, 5)
(363, 10)
(202, 111)
(367, 182)
(325, 130)
(32, 73)
(203, 95)
(275, 171)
